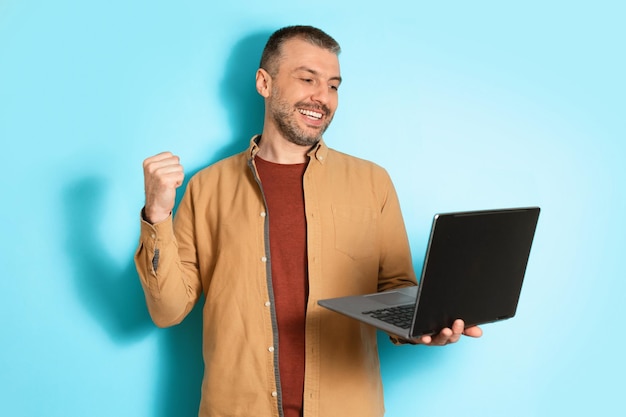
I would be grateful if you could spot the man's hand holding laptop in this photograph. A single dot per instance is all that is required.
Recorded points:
(447, 336)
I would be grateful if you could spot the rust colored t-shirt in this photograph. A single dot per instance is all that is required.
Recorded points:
(284, 194)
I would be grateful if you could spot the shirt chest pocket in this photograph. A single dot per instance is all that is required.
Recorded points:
(355, 230)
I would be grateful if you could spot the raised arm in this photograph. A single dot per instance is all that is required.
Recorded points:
(170, 290)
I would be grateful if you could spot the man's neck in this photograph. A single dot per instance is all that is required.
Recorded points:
(275, 148)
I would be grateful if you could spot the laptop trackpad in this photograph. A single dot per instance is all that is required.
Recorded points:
(392, 298)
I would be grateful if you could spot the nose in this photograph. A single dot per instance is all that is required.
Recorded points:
(321, 94)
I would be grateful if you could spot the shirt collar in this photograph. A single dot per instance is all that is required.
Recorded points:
(317, 152)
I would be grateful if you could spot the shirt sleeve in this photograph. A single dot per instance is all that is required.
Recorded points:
(169, 289)
(396, 264)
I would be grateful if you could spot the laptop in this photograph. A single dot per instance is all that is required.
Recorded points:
(473, 270)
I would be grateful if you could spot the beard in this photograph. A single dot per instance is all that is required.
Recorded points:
(285, 116)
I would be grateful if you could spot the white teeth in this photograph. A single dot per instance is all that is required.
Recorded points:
(311, 113)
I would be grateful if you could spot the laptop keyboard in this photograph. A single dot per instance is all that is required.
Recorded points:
(400, 316)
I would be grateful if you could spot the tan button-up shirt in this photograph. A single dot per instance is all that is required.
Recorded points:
(218, 245)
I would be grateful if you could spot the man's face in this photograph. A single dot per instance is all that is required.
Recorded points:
(303, 96)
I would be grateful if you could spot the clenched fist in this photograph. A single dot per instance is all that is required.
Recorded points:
(163, 174)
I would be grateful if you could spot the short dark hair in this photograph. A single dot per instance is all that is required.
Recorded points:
(310, 34)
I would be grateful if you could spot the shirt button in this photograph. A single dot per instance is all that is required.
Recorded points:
(274, 394)
(153, 236)
(267, 304)
(263, 214)
(271, 348)
(264, 259)
(321, 158)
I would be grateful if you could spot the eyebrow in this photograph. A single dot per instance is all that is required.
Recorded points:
(313, 72)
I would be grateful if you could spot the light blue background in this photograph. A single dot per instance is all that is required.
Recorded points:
(469, 105)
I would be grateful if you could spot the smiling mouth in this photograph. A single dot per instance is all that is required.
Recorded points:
(310, 113)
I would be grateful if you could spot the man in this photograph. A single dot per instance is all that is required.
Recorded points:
(268, 232)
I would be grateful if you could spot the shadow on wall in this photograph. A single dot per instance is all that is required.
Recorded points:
(113, 294)
(109, 291)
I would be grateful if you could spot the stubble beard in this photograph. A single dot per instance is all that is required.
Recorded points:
(285, 115)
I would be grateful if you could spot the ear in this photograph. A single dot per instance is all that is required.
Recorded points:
(263, 83)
